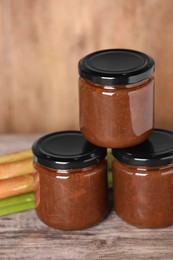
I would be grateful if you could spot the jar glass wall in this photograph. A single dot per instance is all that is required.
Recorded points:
(116, 116)
(71, 199)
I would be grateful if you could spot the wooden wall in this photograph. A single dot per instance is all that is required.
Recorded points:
(41, 42)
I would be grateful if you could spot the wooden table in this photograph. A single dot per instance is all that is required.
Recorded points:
(24, 236)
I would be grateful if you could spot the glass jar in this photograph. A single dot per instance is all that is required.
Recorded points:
(116, 92)
(143, 181)
(70, 179)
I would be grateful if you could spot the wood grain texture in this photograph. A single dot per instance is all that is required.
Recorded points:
(24, 236)
(41, 42)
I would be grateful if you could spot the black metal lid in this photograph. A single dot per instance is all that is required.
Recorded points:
(116, 66)
(66, 150)
(157, 150)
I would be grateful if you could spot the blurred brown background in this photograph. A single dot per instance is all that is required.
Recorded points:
(41, 42)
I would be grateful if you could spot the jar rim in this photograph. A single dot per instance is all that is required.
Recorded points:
(157, 150)
(116, 66)
(66, 150)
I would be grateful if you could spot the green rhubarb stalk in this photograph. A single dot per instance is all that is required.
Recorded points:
(15, 200)
(16, 208)
(109, 160)
(110, 180)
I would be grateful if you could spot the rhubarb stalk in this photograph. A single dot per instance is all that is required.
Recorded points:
(18, 156)
(14, 169)
(16, 208)
(16, 200)
(16, 185)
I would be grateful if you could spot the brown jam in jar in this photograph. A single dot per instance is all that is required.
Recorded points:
(116, 93)
(143, 181)
(70, 176)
